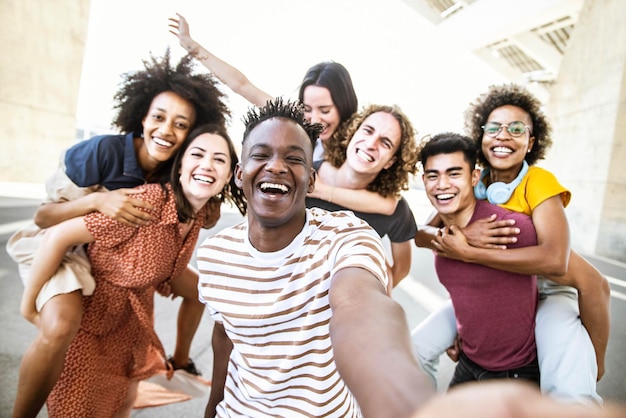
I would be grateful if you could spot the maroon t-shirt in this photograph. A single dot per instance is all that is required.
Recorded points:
(495, 309)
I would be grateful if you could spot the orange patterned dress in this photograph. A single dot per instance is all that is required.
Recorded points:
(116, 342)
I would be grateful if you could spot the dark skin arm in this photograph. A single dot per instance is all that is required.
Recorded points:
(552, 238)
(47, 260)
(117, 204)
(401, 254)
(369, 328)
(564, 267)
(485, 233)
(222, 346)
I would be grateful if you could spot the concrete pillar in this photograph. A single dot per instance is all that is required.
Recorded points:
(42, 45)
(587, 107)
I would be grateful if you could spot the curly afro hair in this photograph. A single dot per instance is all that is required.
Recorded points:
(509, 94)
(395, 179)
(138, 88)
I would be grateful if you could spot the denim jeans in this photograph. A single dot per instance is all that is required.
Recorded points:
(566, 355)
(468, 371)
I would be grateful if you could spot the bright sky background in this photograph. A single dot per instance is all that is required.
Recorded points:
(390, 51)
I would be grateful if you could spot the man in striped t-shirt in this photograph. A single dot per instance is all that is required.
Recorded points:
(303, 326)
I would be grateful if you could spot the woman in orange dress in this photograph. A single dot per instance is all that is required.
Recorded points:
(116, 345)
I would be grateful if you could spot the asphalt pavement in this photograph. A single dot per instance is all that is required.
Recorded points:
(419, 294)
(14, 212)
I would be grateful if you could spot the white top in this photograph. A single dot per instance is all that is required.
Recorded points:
(275, 309)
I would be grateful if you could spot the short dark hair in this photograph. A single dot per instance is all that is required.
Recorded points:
(509, 94)
(449, 143)
(230, 190)
(278, 108)
(395, 179)
(139, 88)
(336, 78)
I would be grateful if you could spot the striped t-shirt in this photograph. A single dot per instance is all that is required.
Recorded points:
(275, 310)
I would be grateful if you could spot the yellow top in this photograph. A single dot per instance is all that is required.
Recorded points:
(537, 186)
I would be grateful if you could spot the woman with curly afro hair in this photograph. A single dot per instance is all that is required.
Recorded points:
(573, 320)
(377, 154)
(157, 107)
(509, 95)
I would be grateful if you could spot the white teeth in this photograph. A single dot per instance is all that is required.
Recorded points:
(365, 156)
(445, 196)
(206, 179)
(503, 150)
(162, 142)
(274, 186)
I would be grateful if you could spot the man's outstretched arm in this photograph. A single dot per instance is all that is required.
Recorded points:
(372, 347)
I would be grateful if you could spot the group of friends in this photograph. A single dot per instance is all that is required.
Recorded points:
(299, 290)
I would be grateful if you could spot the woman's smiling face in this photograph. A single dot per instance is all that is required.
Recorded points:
(504, 152)
(320, 108)
(205, 168)
(166, 125)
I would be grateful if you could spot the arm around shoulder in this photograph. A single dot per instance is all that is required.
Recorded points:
(552, 237)
(52, 213)
(364, 201)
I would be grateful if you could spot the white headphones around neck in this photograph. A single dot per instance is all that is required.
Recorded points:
(498, 192)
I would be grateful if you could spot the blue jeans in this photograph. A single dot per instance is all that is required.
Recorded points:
(566, 355)
(468, 371)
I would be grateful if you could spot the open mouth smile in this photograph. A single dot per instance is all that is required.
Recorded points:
(364, 156)
(445, 196)
(204, 179)
(273, 188)
(502, 150)
(162, 142)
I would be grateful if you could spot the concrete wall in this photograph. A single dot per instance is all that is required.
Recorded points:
(587, 107)
(42, 44)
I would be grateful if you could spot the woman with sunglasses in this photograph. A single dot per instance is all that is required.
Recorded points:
(573, 321)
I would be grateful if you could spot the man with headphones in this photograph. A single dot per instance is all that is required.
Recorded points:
(495, 309)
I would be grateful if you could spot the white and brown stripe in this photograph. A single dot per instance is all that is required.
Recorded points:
(275, 309)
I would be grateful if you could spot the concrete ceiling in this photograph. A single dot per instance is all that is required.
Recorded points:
(524, 40)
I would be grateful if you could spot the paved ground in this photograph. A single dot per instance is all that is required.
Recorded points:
(19, 333)
(419, 294)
